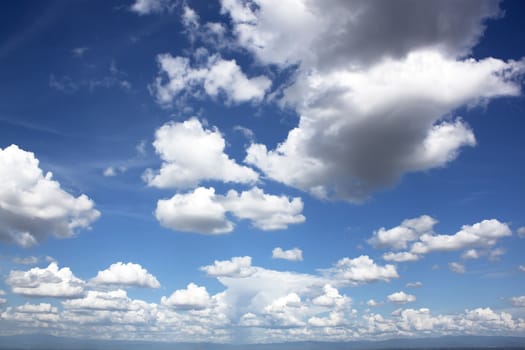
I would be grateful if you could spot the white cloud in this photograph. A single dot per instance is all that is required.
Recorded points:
(146, 7)
(203, 211)
(414, 284)
(401, 298)
(331, 298)
(191, 154)
(79, 51)
(394, 110)
(400, 256)
(518, 301)
(29, 260)
(216, 78)
(109, 172)
(457, 267)
(112, 300)
(33, 206)
(362, 270)
(190, 18)
(352, 33)
(237, 267)
(482, 234)
(521, 231)
(46, 282)
(197, 211)
(470, 254)
(193, 297)
(129, 275)
(398, 237)
(521, 268)
(265, 211)
(373, 303)
(294, 254)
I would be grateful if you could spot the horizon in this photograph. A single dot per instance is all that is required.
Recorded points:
(237, 171)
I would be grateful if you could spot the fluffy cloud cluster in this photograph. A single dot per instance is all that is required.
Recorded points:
(375, 89)
(362, 269)
(46, 282)
(191, 154)
(129, 274)
(256, 304)
(203, 211)
(294, 254)
(146, 7)
(417, 237)
(217, 77)
(33, 206)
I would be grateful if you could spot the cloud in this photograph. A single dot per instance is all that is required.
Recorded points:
(113, 300)
(79, 51)
(482, 234)
(414, 284)
(521, 268)
(46, 282)
(203, 211)
(218, 77)
(128, 275)
(518, 301)
(400, 257)
(33, 206)
(294, 254)
(457, 267)
(373, 303)
(237, 267)
(521, 231)
(191, 298)
(354, 33)
(29, 260)
(399, 236)
(396, 113)
(331, 298)
(362, 270)
(191, 154)
(147, 7)
(401, 298)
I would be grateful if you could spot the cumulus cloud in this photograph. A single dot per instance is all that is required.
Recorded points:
(218, 77)
(521, 231)
(457, 267)
(362, 270)
(203, 211)
(192, 153)
(354, 33)
(414, 284)
(112, 300)
(401, 298)
(518, 301)
(362, 130)
(418, 237)
(331, 298)
(398, 237)
(191, 298)
(238, 267)
(146, 7)
(294, 254)
(482, 234)
(33, 206)
(129, 275)
(46, 282)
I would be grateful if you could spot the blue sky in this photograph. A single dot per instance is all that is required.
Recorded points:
(252, 171)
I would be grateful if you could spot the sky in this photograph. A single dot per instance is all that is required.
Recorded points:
(252, 171)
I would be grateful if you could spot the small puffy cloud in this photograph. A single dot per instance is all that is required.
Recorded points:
(521, 231)
(37, 308)
(109, 172)
(46, 282)
(191, 154)
(518, 301)
(482, 234)
(114, 300)
(471, 254)
(197, 211)
(79, 51)
(265, 211)
(414, 284)
(237, 267)
(294, 254)
(203, 211)
(400, 256)
(401, 298)
(190, 18)
(191, 298)
(29, 260)
(217, 77)
(129, 275)
(33, 206)
(457, 267)
(398, 237)
(146, 7)
(521, 268)
(362, 270)
(331, 298)
(373, 303)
